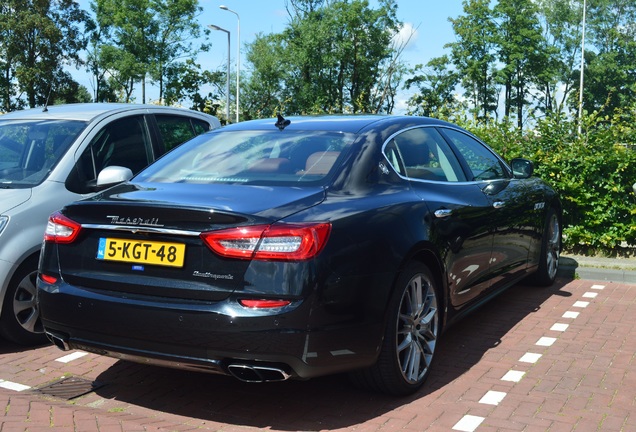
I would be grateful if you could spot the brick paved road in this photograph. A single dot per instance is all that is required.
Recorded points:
(559, 359)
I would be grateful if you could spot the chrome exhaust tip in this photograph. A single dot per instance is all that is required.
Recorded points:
(58, 341)
(257, 374)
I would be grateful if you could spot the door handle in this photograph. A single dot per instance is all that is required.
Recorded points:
(499, 204)
(443, 213)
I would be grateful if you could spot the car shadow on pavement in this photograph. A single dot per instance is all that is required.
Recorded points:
(8, 347)
(323, 403)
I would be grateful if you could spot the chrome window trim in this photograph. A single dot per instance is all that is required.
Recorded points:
(411, 179)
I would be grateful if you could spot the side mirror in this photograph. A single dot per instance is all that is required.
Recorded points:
(522, 168)
(113, 175)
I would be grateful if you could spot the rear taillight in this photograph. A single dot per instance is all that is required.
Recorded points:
(277, 242)
(61, 229)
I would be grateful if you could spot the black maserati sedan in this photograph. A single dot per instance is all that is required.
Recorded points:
(299, 247)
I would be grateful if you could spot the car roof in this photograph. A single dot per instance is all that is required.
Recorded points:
(352, 123)
(85, 111)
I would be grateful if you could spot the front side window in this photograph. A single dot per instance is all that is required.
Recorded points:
(30, 149)
(124, 142)
(423, 154)
(483, 163)
(251, 157)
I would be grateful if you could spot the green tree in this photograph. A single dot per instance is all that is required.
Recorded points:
(338, 58)
(610, 74)
(177, 27)
(142, 38)
(436, 85)
(184, 82)
(561, 23)
(520, 51)
(38, 38)
(473, 55)
(264, 89)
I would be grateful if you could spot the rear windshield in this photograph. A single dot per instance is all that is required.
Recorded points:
(30, 149)
(251, 157)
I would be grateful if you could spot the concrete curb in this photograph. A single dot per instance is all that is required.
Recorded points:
(602, 269)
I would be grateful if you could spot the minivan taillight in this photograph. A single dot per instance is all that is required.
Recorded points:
(61, 229)
(277, 242)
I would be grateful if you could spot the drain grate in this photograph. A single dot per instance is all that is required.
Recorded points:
(69, 388)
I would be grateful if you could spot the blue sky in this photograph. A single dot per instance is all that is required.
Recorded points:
(428, 17)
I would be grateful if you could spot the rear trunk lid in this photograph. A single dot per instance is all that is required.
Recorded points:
(143, 240)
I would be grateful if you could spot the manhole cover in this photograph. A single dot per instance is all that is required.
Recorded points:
(70, 388)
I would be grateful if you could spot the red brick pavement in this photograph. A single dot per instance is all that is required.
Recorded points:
(583, 380)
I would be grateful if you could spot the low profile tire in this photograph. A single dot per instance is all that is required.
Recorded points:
(20, 321)
(410, 338)
(550, 251)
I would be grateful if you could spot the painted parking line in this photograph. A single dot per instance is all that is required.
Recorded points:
(560, 327)
(530, 358)
(546, 341)
(470, 423)
(492, 398)
(13, 386)
(70, 357)
(513, 376)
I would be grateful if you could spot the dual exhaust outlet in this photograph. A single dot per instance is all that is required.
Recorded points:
(242, 371)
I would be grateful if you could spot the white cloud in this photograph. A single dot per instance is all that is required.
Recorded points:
(406, 36)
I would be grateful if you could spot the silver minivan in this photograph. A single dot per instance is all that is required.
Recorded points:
(52, 156)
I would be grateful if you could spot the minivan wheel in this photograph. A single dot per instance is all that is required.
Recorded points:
(20, 321)
(410, 338)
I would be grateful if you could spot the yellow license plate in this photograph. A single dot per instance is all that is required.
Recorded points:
(141, 252)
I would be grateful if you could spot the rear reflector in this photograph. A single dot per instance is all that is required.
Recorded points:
(48, 279)
(277, 242)
(264, 304)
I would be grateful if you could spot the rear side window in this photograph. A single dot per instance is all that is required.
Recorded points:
(423, 154)
(483, 163)
(176, 130)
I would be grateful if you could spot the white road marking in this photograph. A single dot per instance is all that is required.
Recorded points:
(560, 327)
(468, 423)
(530, 358)
(514, 376)
(70, 357)
(492, 398)
(546, 341)
(13, 386)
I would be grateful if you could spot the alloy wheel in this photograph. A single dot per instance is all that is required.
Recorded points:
(417, 328)
(553, 246)
(25, 306)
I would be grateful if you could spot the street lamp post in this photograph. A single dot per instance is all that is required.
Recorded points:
(238, 57)
(227, 80)
(582, 67)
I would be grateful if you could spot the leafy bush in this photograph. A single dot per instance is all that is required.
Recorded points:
(593, 173)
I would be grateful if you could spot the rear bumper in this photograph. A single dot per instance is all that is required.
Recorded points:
(219, 337)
